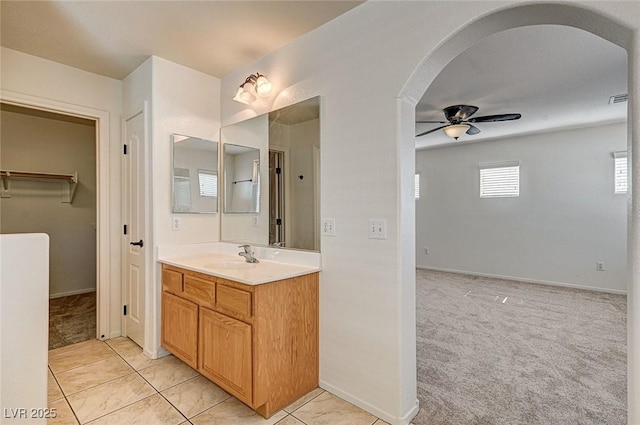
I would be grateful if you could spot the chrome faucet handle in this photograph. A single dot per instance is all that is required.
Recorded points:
(247, 248)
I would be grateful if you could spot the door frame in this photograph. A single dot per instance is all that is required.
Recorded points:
(286, 179)
(103, 238)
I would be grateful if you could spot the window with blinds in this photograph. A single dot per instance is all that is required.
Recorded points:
(500, 180)
(620, 170)
(417, 186)
(208, 181)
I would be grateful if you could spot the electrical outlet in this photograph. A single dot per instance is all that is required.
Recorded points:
(328, 227)
(377, 228)
(176, 223)
(600, 266)
(426, 250)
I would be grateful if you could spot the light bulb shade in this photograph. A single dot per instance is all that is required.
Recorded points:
(456, 130)
(238, 97)
(247, 94)
(263, 86)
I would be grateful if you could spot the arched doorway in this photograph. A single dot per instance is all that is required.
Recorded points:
(519, 16)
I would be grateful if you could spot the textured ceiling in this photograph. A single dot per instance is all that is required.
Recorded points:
(112, 38)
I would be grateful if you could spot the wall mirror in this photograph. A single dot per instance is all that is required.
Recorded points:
(288, 170)
(195, 175)
(241, 179)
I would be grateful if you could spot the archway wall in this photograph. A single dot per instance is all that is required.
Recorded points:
(615, 22)
(370, 66)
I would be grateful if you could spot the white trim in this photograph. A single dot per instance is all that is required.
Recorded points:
(103, 239)
(66, 294)
(525, 280)
(400, 420)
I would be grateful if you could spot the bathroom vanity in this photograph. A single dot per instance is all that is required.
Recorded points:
(250, 328)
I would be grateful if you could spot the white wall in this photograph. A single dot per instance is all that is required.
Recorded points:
(566, 218)
(30, 80)
(48, 144)
(24, 280)
(182, 101)
(186, 102)
(362, 64)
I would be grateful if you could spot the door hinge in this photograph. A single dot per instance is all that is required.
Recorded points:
(124, 150)
(278, 170)
(278, 221)
(125, 310)
(125, 229)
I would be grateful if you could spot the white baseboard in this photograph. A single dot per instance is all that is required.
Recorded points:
(392, 420)
(526, 280)
(66, 294)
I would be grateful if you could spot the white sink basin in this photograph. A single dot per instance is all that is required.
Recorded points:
(230, 265)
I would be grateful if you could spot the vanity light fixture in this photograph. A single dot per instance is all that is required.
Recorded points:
(255, 84)
(456, 130)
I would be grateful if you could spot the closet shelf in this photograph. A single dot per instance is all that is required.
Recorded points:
(67, 196)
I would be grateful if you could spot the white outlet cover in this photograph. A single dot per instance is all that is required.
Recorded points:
(176, 223)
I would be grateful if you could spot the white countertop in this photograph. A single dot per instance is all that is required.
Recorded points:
(237, 269)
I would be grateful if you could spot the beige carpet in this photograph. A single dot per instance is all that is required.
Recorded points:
(72, 319)
(500, 352)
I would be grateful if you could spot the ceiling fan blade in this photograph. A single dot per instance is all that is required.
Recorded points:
(431, 122)
(495, 118)
(472, 130)
(431, 131)
(459, 112)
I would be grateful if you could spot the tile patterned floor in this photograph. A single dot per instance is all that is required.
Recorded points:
(113, 383)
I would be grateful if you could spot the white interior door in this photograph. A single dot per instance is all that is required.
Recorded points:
(134, 221)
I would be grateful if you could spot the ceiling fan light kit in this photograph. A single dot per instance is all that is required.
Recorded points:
(456, 130)
(458, 121)
(254, 84)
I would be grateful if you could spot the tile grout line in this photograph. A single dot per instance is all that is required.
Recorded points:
(95, 419)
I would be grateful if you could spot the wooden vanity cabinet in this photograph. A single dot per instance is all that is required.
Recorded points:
(258, 342)
(180, 328)
(225, 353)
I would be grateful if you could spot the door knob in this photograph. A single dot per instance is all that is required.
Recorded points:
(139, 243)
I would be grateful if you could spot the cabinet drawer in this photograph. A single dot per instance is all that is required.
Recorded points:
(171, 281)
(234, 300)
(200, 290)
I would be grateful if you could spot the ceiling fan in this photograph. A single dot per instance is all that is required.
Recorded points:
(458, 122)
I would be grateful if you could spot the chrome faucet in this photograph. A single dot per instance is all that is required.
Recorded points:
(248, 254)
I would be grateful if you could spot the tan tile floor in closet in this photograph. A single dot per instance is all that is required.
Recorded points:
(112, 383)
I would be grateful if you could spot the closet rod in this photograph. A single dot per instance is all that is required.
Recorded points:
(72, 179)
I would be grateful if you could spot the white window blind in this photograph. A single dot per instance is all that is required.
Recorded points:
(620, 177)
(208, 181)
(500, 180)
(417, 186)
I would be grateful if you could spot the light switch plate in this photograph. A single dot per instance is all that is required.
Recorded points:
(377, 228)
(328, 227)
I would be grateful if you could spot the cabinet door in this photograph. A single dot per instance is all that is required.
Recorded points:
(225, 353)
(180, 328)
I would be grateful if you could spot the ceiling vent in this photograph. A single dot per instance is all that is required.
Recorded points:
(620, 98)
